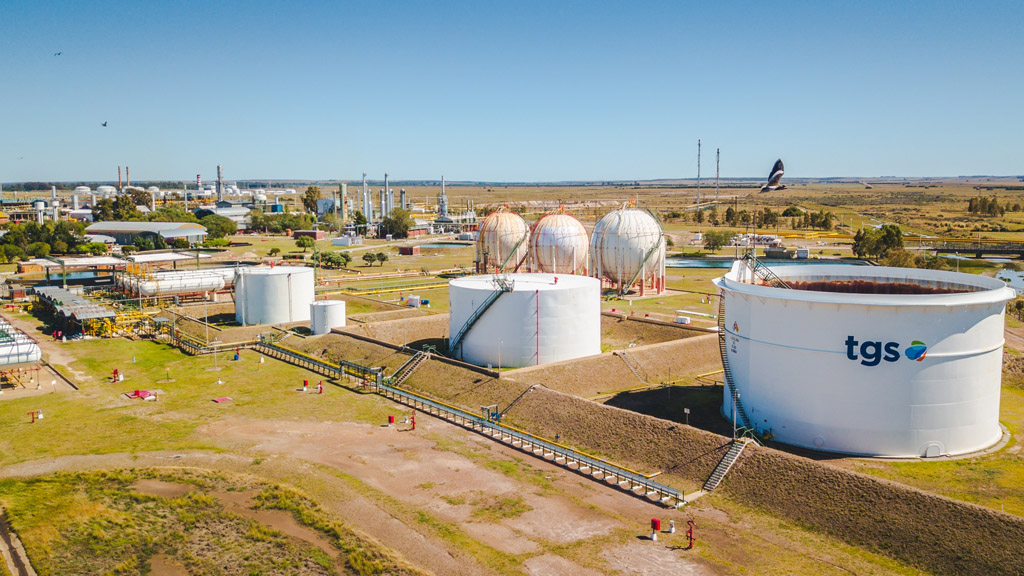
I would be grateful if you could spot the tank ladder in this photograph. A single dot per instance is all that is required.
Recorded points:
(626, 286)
(727, 372)
(763, 272)
(733, 454)
(516, 401)
(503, 285)
(513, 252)
(633, 366)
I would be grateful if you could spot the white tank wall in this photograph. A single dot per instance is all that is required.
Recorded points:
(278, 295)
(800, 376)
(326, 315)
(540, 321)
(559, 245)
(620, 241)
(20, 348)
(499, 235)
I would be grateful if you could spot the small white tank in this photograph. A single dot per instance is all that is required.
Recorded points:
(326, 315)
(273, 295)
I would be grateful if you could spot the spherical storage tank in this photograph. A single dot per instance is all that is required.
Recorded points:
(558, 244)
(524, 319)
(873, 361)
(273, 295)
(628, 246)
(502, 241)
(326, 315)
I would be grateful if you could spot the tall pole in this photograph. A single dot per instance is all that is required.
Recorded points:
(698, 184)
(718, 152)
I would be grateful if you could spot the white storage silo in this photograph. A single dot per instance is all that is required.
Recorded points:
(326, 315)
(536, 318)
(82, 190)
(626, 247)
(502, 242)
(874, 361)
(559, 245)
(273, 295)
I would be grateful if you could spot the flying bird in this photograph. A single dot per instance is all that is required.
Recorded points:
(775, 178)
(57, 53)
(104, 124)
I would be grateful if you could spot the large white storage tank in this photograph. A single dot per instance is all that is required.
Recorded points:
(537, 318)
(326, 315)
(559, 245)
(502, 242)
(873, 361)
(273, 295)
(626, 247)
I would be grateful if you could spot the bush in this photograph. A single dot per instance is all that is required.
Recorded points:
(217, 242)
(180, 243)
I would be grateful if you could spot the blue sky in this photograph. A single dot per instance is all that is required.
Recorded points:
(510, 91)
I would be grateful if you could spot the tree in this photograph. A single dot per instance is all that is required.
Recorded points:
(13, 252)
(180, 243)
(397, 223)
(359, 219)
(346, 259)
(310, 198)
(171, 214)
(143, 243)
(304, 242)
(274, 251)
(792, 212)
(38, 249)
(730, 215)
(218, 226)
(369, 258)
(118, 208)
(713, 240)
(381, 257)
(129, 249)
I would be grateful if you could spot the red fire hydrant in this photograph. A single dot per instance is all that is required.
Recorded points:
(689, 534)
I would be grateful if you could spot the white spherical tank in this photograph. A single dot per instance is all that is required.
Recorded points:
(278, 295)
(502, 242)
(534, 319)
(628, 246)
(558, 244)
(890, 362)
(326, 315)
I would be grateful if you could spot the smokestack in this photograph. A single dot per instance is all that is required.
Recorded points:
(127, 178)
(367, 209)
(386, 204)
(718, 157)
(53, 192)
(220, 183)
(118, 179)
(402, 199)
(74, 201)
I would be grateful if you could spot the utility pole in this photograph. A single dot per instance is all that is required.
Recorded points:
(718, 152)
(698, 185)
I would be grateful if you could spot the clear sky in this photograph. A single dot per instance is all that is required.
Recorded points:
(509, 91)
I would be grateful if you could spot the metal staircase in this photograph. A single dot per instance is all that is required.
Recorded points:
(626, 286)
(763, 272)
(503, 285)
(406, 370)
(633, 366)
(727, 372)
(725, 464)
(512, 253)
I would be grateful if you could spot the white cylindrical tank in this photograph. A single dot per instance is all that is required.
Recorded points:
(106, 190)
(558, 244)
(543, 318)
(874, 361)
(170, 285)
(326, 315)
(628, 246)
(82, 190)
(502, 242)
(278, 295)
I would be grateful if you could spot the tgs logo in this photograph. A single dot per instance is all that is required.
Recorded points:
(871, 353)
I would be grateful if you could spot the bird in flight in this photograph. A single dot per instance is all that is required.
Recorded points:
(104, 124)
(775, 178)
(57, 53)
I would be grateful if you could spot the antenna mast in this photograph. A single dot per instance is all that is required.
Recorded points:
(718, 152)
(698, 183)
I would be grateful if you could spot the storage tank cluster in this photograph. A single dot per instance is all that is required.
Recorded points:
(273, 295)
(535, 318)
(326, 315)
(558, 245)
(502, 242)
(627, 247)
(889, 362)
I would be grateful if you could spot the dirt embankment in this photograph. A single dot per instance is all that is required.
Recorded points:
(935, 533)
(403, 331)
(594, 375)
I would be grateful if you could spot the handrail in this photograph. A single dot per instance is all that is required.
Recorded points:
(625, 287)
(513, 251)
(454, 343)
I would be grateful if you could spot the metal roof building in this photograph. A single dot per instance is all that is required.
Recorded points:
(126, 232)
